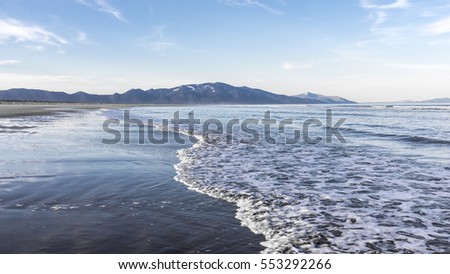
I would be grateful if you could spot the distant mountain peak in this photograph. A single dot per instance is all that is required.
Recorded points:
(323, 98)
(205, 93)
(438, 101)
(445, 100)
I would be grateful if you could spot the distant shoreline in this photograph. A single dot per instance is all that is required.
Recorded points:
(9, 109)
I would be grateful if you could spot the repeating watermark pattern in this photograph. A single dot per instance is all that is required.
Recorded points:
(183, 130)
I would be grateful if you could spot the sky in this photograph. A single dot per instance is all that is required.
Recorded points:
(363, 50)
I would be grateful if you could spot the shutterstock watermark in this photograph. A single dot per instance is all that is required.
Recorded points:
(189, 129)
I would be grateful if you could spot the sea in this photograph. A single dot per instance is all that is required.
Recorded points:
(238, 179)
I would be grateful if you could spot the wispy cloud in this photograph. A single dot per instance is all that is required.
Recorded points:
(379, 13)
(16, 32)
(160, 46)
(8, 62)
(35, 47)
(405, 21)
(103, 6)
(397, 4)
(252, 3)
(156, 41)
(380, 17)
(295, 66)
(440, 27)
(82, 38)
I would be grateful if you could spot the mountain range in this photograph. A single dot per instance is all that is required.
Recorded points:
(324, 99)
(411, 102)
(207, 93)
(432, 101)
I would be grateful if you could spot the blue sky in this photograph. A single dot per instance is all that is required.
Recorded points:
(365, 50)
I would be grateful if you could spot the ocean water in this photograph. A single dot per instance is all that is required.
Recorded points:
(385, 190)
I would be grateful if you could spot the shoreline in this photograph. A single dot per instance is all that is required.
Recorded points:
(19, 109)
(173, 218)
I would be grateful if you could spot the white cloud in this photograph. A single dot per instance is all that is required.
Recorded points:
(252, 3)
(381, 16)
(379, 12)
(8, 62)
(35, 47)
(361, 44)
(160, 46)
(82, 37)
(439, 27)
(398, 4)
(294, 66)
(103, 6)
(16, 31)
(156, 41)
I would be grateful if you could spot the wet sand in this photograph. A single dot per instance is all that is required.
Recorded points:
(94, 198)
(9, 110)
